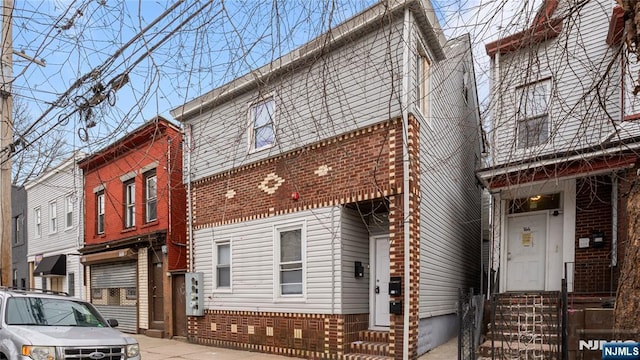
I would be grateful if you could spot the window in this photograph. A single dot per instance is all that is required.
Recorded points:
(96, 293)
(130, 204)
(423, 82)
(100, 212)
(38, 221)
(223, 264)
(71, 284)
(261, 124)
(290, 254)
(68, 219)
(18, 224)
(53, 217)
(151, 196)
(131, 293)
(533, 114)
(15, 278)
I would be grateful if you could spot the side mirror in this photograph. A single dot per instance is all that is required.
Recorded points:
(112, 322)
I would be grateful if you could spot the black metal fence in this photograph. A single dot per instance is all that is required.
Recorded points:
(469, 320)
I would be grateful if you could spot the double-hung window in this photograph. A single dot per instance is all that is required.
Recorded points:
(38, 221)
(423, 82)
(223, 265)
(290, 255)
(68, 219)
(262, 125)
(533, 114)
(130, 204)
(151, 196)
(53, 217)
(18, 220)
(100, 212)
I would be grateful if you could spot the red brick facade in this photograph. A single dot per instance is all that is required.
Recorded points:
(366, 164)
(593, 271)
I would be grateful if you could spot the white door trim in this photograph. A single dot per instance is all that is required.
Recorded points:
(372, 282)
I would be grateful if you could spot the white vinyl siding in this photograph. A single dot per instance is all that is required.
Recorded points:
(361, 79)
(576, 64)
(253, 263)
(54, 186)
(354, 245)
(449, 196)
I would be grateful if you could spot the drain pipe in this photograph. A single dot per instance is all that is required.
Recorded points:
(614, 220)
(189, 134)
(405, 170)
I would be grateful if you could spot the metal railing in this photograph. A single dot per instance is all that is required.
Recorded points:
(593, 277)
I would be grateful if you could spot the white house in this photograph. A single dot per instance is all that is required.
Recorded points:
(55, 228)
(334, 206)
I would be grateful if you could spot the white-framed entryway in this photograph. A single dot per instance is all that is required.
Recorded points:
(531, 248)
(379, 317)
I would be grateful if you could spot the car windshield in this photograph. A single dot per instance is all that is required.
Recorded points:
(51, 312)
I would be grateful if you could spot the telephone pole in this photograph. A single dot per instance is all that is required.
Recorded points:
(6, 139)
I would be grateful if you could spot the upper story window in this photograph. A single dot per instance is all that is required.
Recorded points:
(262, 125)
(130, 204)
(18, 223)
(100, 212)
(53, 217)
(151, 196)
(68, 219)
(533, 114)
(290, 245)
(37, 214)
(423, 82)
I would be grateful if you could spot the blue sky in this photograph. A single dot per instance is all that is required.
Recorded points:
(75, 37)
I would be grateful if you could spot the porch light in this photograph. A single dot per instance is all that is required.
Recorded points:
(535, 198)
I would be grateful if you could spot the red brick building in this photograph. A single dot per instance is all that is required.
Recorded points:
(135, 250)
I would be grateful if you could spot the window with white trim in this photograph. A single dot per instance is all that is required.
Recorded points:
(53, 217)
(100, 212)
(261, 125)
(290, 255)
(222, 259)
(533, 114)
(37, 214)
(130, 204)
(423, 82)
(151, 196)
(68, 218)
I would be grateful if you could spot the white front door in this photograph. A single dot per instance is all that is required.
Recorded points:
(526, 252)
(380, 283)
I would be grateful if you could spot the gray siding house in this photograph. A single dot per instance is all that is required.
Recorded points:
(19, 244)
(54, 205)
(333, 204)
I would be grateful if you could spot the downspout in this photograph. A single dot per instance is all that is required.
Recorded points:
(333, 261)
(189, 201)
(614, 220)
(405, 169)
(169, 174)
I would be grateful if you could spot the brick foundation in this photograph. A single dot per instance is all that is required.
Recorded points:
(311, 336)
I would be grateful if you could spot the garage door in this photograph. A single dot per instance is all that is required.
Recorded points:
(114, 293)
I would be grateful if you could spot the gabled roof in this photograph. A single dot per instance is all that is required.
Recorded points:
(543, 28)
(66, 163)
(141, 135)
(367, 21)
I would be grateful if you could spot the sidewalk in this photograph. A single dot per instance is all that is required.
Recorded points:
(167, 349)
(446, 351)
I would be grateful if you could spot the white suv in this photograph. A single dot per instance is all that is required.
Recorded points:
(44, 326)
